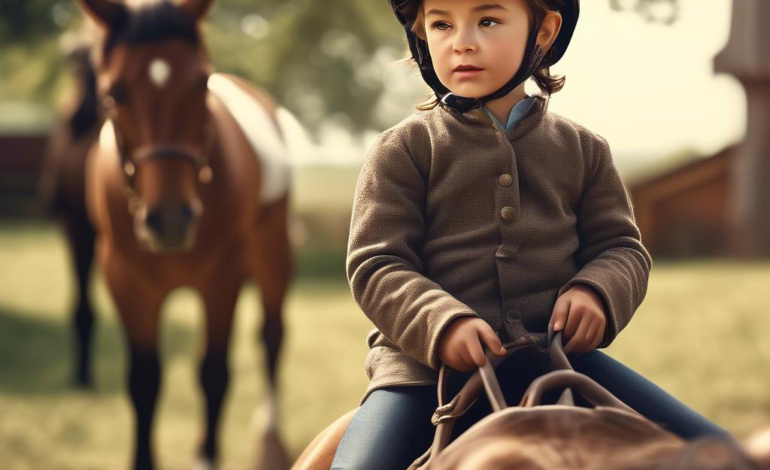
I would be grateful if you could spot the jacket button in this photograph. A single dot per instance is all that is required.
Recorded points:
(504, 180)
(507, 213)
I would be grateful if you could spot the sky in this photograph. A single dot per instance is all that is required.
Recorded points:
(648, 88)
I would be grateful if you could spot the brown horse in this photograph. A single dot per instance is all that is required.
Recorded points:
(63, 188)
(188, 186)
(562, 436)
(540, 443)
(572, 438)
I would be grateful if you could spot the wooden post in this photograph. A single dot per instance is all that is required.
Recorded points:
(747, 57)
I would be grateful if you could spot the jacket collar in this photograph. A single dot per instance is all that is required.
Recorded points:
(516, 114)
(529, 122)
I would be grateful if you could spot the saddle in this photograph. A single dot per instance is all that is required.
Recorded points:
(561, 436)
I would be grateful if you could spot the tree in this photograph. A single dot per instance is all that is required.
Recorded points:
(319, 61)
(664, 11)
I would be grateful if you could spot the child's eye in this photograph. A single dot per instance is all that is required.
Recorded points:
(440, 25)
(488, 22)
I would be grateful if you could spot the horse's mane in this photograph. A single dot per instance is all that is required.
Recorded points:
(86, 114)
(705, 453)
(151, 21)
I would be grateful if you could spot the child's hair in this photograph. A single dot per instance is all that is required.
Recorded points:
(547, 83)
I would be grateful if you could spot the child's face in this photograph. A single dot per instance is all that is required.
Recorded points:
(489, 37)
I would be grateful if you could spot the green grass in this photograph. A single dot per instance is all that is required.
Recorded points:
(44, 423)
(700, 334)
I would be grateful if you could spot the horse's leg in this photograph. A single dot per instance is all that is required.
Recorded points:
(274, 269)
(81, 236)
(219, 297)
(139, 305)
(273, 272)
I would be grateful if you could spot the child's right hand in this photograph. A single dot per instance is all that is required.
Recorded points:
(460, 344)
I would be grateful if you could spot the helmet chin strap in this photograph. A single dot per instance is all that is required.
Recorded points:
(533, 58)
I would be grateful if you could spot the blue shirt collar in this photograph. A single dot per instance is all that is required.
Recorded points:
(518, 112)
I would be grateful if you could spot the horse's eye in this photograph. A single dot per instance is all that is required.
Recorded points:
(118, 94)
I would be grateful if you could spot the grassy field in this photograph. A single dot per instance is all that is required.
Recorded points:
(701, 334)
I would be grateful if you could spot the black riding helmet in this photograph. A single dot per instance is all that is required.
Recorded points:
(534, 58)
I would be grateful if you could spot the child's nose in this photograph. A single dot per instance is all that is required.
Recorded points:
(465, 42)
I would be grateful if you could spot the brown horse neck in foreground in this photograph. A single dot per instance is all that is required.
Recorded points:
(562, 436)
(705, 453)
(176, 190)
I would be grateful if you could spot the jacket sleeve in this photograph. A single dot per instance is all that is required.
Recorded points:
(383, 265)
(611, 256)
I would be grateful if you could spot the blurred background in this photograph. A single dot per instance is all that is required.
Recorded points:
(680, 89)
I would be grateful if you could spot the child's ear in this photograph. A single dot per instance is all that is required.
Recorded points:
(549, 30)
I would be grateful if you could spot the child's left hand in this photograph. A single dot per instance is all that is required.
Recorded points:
(580, 313)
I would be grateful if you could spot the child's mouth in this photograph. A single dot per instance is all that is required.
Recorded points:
(467, 70)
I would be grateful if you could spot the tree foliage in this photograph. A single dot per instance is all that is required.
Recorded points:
(319, 58)
(313, 57)
(664, 11)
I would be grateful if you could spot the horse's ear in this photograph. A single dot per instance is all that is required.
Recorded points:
(104, 12)
(197, 9)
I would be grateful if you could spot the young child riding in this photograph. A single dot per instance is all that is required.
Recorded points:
(484, 217)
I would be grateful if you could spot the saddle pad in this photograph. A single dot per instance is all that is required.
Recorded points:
(261, 133)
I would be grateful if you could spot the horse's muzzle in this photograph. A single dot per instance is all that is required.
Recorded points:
(168, 227)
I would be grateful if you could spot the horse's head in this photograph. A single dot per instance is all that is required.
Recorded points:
(152, 72)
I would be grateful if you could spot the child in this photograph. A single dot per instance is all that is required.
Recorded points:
(485, 217)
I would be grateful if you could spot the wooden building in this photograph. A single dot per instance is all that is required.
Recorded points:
(686, 211)
(21, 162)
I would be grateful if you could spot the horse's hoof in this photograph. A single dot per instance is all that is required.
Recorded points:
(204, 463)
(758, 446)
(264, 418)
(273, 454)
(83, 383)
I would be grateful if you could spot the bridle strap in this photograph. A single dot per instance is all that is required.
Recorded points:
(158, 152)
(164, 152)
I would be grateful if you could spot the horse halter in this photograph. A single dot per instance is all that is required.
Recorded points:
(157, 152)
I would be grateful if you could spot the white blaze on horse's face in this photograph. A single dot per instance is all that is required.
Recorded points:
(159, 72)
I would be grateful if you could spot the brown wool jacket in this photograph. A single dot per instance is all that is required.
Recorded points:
(453, 217)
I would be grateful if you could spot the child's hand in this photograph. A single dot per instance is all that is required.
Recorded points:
(460, 344)
(580, 313)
